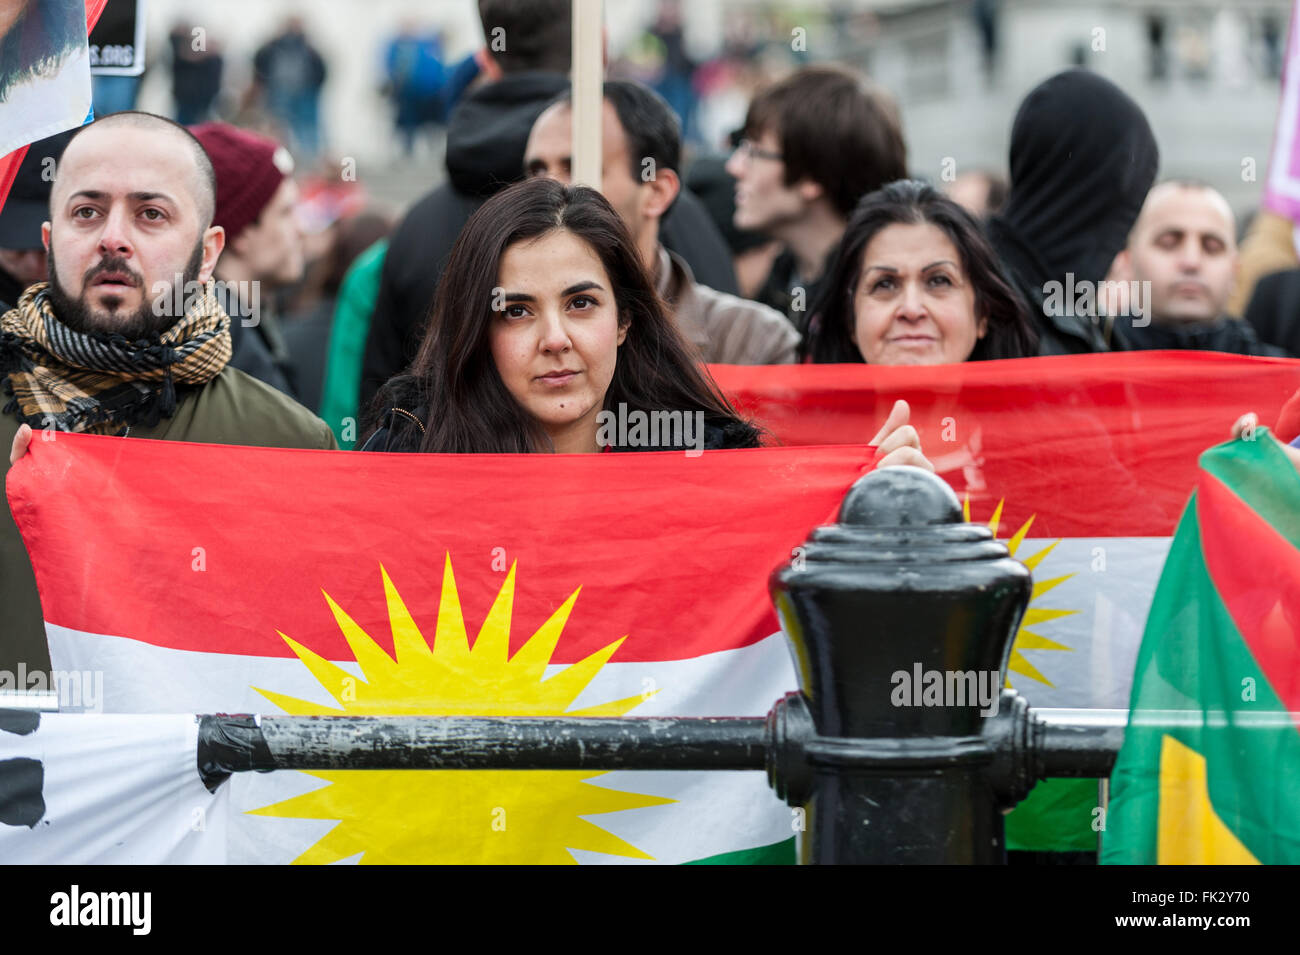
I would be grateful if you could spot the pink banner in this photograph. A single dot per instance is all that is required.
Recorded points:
(1282, 190)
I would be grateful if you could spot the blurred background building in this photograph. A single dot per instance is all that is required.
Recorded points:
(1206, 72)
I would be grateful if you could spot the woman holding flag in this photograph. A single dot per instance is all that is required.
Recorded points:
(917, 283)
(544, 319)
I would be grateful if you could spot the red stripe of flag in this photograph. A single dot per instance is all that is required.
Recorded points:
(1092, 445)
(9, 172)
(215, 548)
(1256, 572)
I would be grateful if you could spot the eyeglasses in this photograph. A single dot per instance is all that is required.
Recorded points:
(748, 149)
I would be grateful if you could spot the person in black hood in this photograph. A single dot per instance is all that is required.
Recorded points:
(486, 138)
(1274, 310)
(1082, 160)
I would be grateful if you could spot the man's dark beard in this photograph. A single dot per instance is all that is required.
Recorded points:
(146, 322)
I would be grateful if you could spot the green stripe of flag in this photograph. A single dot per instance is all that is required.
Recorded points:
(1057, 816)
(778, 853)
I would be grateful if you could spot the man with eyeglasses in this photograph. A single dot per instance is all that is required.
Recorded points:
(811, 147)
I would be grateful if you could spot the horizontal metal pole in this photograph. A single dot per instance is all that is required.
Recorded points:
(1065, 742)
(1077, 743)
(1085, 743)
(490, 742)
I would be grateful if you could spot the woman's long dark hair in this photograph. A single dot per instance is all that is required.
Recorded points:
(454, 376)
(1010, 333)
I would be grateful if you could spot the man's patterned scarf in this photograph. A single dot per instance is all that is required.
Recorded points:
(63, 380)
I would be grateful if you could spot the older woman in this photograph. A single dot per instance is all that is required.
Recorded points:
(916, 283)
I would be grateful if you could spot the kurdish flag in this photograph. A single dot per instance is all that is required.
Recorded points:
(1210, 768)
(1081, 464)
(204, 578)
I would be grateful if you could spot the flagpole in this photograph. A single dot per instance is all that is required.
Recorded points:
(588, 71)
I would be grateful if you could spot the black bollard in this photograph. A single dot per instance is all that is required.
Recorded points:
(901, 619)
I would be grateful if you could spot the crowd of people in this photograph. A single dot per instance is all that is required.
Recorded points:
(162, 286)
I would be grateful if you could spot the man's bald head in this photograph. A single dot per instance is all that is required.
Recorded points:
(130, 216)
(1181, 193)
(203, 182)
(1184, 243)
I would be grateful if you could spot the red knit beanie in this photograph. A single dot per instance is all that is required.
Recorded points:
(249, 169)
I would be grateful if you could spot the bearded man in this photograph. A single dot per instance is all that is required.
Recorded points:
(104, 348)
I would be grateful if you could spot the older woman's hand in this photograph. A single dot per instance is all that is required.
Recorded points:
(897, 441)
(1244, 428)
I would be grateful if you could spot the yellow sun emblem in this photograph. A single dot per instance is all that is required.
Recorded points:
(457, 816)
(1026, 639)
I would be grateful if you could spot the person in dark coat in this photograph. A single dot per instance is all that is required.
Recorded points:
(22, 255)
(290, 73)
(196, 75)
(1083, 158)
(486, 138)
(1184, 251)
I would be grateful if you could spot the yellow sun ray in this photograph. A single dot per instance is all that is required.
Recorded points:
(533, 656)
(1017, 539)
(493, 640)
(572, 680)
(375, 663)
(333, 678)
(614, 707)
(1043, 586)
(1022, 666)
(1033, 560)
(296, 706)
(1026, 639)
(489, 816)
(408, 644)
(1037, 615)
(450, 636)
(995, 519)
